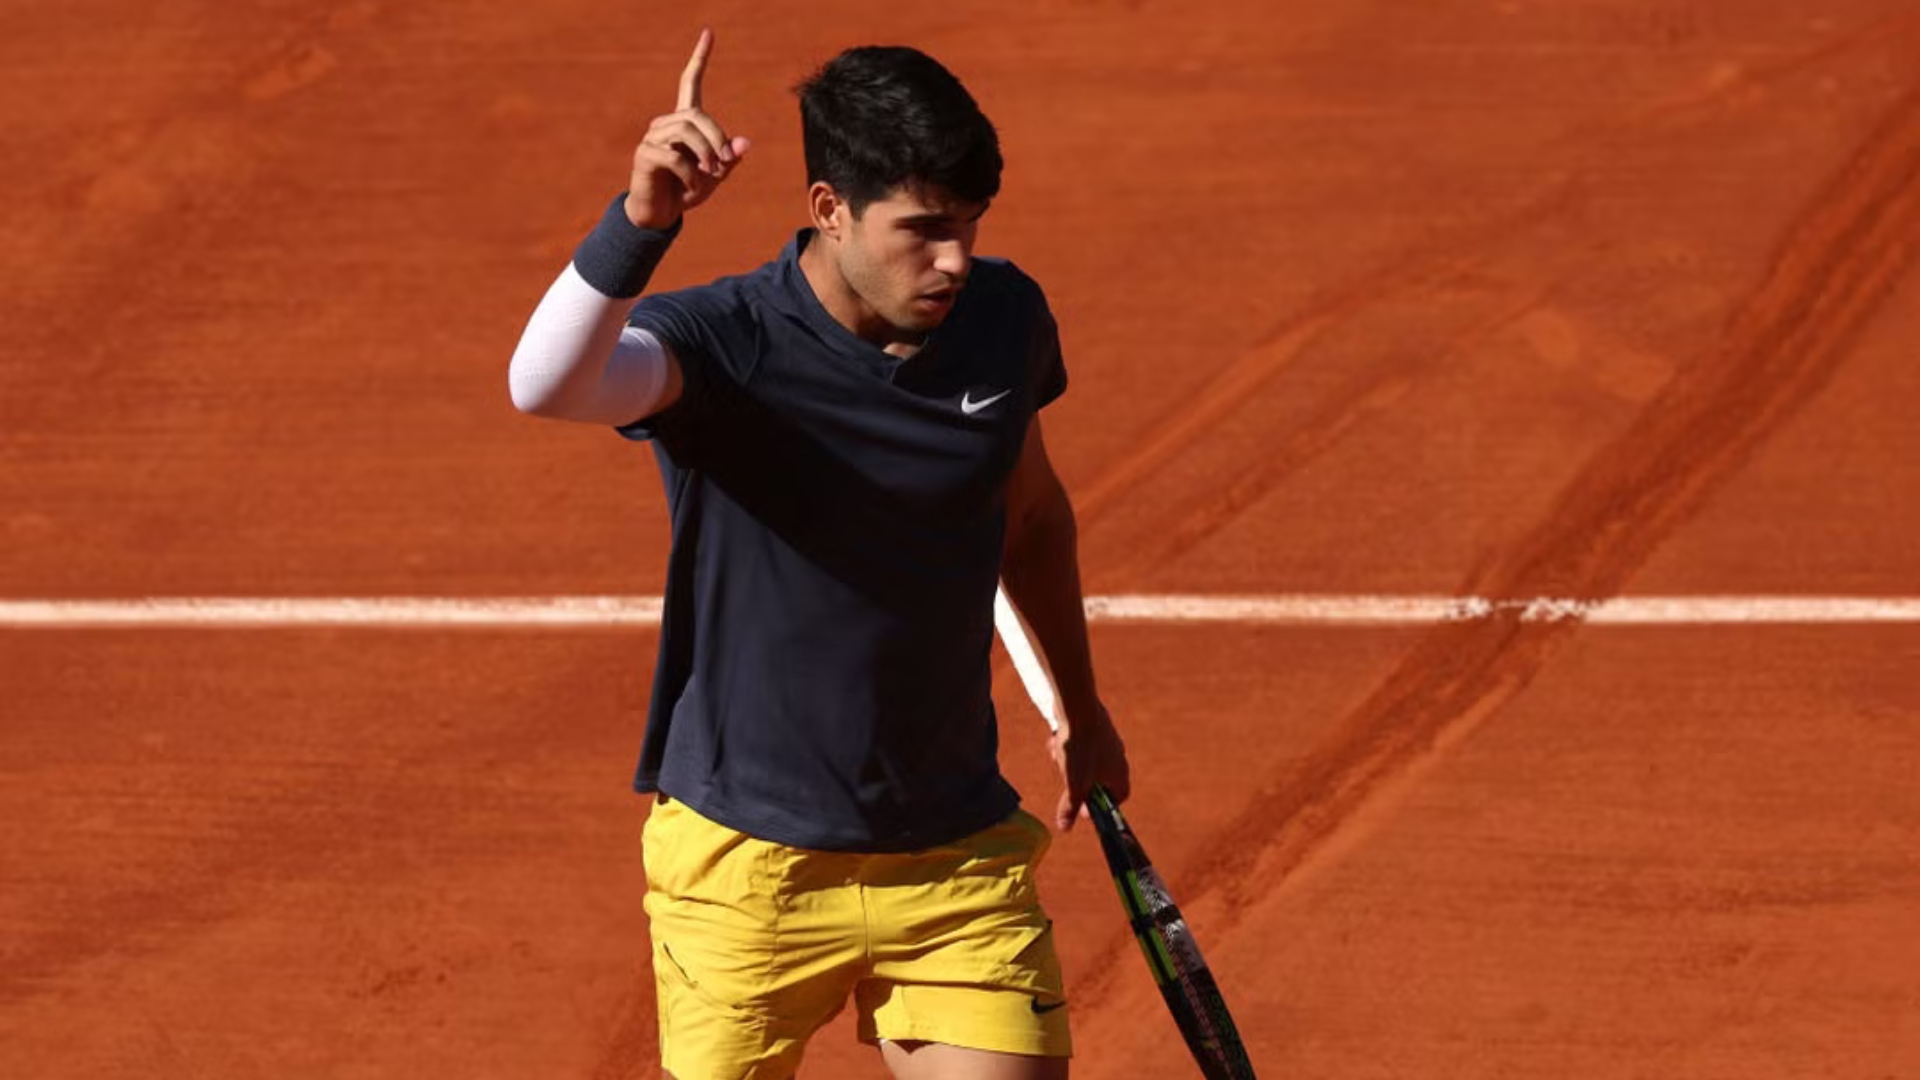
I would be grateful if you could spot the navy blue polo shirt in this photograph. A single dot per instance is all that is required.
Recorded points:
(838, 514)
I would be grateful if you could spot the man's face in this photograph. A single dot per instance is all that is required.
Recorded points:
(906, 256)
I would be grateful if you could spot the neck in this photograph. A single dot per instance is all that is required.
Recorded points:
(846, 306)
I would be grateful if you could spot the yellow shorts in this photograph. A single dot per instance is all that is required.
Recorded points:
(756, 945)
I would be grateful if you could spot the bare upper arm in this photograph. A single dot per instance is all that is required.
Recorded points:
(1034, 490)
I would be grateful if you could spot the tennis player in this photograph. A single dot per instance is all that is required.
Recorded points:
(849, 436)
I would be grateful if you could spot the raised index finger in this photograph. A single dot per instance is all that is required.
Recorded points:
(696, 67)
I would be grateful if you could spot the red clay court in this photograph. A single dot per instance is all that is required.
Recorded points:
(1506, 302)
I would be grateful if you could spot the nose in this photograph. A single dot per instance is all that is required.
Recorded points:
(950, 257)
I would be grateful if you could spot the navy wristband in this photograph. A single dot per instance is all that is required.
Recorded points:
(617, 258)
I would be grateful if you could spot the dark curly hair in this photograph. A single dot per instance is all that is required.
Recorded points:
(879, 116)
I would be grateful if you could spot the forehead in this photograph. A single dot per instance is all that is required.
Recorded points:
(926, 201)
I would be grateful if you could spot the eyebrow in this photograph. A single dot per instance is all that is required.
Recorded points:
(940, 219)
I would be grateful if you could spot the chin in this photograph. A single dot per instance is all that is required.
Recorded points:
(910, 323)
(923, 317)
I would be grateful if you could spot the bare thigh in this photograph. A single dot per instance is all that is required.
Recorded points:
(938, 1061)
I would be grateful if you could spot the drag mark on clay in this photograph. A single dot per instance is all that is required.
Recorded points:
(1614, 368)
(1211, 511)
(1835, 267)
(1237, 384)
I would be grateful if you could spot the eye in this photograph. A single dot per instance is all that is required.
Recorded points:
(934, 230)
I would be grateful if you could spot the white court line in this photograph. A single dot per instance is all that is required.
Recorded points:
(1288, 610)
(382, 611)
(563, 612)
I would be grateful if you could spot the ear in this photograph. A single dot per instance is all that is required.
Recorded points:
(827, 210)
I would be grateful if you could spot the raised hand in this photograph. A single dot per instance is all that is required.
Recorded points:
(685, 154)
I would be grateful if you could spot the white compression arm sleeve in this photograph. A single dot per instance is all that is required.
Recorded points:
(579, 360)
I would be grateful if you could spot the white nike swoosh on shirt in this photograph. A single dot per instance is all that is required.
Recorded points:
(970, 406)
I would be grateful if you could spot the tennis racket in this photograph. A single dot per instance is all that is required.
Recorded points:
(1165, 939)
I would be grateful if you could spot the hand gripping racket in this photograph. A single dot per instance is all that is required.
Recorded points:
(1172, 954)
